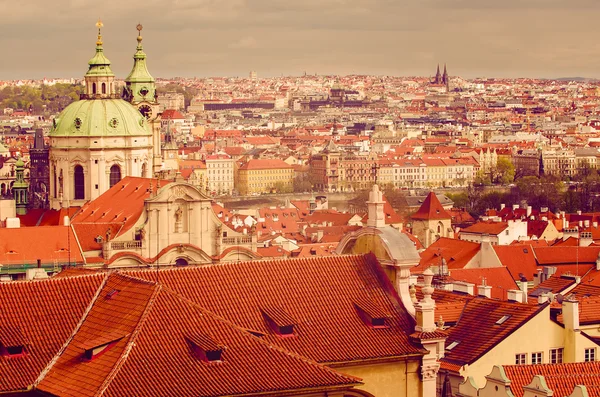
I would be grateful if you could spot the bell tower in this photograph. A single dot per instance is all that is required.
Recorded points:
(140, 91)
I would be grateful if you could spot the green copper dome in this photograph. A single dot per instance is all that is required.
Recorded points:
(101, 117)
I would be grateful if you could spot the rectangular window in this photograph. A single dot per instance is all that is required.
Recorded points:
(536, 358)
(556, 356)
(590, 354)
(521, 359)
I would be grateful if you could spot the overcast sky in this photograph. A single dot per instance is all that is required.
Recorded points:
(491, 38)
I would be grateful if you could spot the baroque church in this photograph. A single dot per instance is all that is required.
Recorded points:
(105, 162)
(106, 135)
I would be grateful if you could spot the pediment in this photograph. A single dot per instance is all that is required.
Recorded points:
(179, 191)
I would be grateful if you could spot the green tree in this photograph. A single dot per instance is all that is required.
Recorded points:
(504, 172)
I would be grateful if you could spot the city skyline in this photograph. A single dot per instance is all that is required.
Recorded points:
(542, 39)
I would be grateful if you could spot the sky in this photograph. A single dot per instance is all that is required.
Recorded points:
(202, 38)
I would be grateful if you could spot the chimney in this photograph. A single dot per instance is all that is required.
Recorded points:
(537, 278)
(39, 263)
(523, 286)
(542, 299)
(515, 207)
(528, 209)
(580, 223)
(579, 212)
(570, 312)
(586, 223)
(484, 290)
(595, 224)
(514, 295)
(544, 209)
(319, 235)
(502, 206)
(463, 287)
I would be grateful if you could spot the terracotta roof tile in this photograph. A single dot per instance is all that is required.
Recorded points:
(317, 292)
(456, 253)
(54, 307)
(482, 314)
(560, 378)
(150, 330)
(519, 259)
(431, 209)
(499, 278)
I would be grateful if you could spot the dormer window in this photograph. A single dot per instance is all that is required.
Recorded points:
(205, 347)
(94, 348)
(371, 313)
(279, 321)
(13, 351)
(12, 342)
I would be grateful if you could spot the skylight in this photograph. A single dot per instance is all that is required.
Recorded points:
(502, 320)
(452, 345)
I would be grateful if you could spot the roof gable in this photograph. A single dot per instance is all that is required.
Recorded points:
(431, 209)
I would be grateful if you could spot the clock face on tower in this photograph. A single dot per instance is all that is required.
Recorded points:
(146, 111)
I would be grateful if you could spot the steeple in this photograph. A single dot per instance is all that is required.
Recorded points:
(20, 188)
(438, 75)
(140, 85)
(99, 79)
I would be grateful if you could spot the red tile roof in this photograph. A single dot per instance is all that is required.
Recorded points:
(50, 244)
(265, 164)
(519, 259)
(457, 253)
(499, 278)
(151, 331)
(431, 209)
(53, 309)
(121, 206)
(482, 314)
(560, 378)
(559, 255)
(492, 228)
(317, 292)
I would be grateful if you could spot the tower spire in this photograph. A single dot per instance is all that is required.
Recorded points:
(99, 79)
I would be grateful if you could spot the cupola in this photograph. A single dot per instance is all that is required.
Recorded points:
(99, 79)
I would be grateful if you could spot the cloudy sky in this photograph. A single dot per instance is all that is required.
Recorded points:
(492, 38)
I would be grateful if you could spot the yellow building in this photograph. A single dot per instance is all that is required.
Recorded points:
(265, 176)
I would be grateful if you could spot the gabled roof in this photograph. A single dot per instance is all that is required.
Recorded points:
(431, 209)
(481, 314)
(318, 292)
(148, 330)
(519, 259)
(45, 312)
(456, 253)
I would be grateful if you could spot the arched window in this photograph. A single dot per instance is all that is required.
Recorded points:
(115, 175)
(79, 180)
(104, 88)
(93, 88)
(181, 262)
(143, 170)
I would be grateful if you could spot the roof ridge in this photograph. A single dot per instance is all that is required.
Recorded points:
(75, 331)
(131, 343)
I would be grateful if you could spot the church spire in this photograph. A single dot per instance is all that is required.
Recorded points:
(139, 84)
(99, 79)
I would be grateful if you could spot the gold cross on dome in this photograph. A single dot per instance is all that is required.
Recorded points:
(139, 27)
